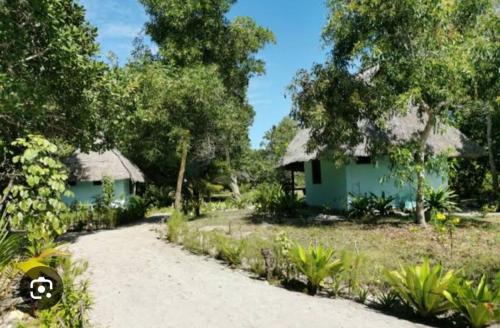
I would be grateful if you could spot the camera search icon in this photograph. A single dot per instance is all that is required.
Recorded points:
(41, 287)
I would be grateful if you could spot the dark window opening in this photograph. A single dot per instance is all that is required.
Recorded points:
(97, 183)
(316, 171)
(72, 183)
(364, 160)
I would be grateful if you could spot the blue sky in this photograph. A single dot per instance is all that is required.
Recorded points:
(297, 25)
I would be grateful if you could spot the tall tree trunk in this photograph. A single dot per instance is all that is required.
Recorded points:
(233, 179)
(420, 160)
(180, 177)
(489, 139)
(197, 199)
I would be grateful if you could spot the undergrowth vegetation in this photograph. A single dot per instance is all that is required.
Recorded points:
(361, 264)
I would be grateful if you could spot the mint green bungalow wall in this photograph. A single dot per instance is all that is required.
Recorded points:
(359, 179)
(87, 192)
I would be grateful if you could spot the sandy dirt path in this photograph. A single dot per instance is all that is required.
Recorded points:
(138, 280)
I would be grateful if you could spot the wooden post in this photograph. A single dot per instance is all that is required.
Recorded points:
(293, 183)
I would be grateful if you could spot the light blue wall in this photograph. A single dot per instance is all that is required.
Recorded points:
(86, 192)
(360, 179)
(331, 191)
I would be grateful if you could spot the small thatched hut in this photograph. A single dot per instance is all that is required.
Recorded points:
(87, 171)
(330, 185)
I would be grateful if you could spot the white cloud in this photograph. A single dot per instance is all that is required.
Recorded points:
(119, 30)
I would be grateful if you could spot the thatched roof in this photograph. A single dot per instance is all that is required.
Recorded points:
(93, 166)
(444, 139)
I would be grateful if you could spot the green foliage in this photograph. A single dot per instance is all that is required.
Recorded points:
(72, 309)
(422, 286)
(10, 245)
(230, 250)
(108, 191)
(353, 265)
(316, 263)
(49, 76)
(176, 227)
(445, 224)
(381, 204)
(405, 61)
(277, 138)
(440, 200)
(135, 210)
(282, 248)
(34, 200)
(359, 206)
(480, 305)
(271, 199)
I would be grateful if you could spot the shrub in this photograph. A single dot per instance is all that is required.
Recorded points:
(270, 199)
(440, 200)
(10, 245)
(282, 248)
(422, 287)
(177, 227)
(135, 210)
(72, 309)
(230, 250)
(197, 242)
(359, 206)
(381, 204)
(316, 263)
(478, 304)
(352, 267)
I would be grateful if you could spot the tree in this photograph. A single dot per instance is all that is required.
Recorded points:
(49, 78)
(197, 34)
(32, 199)
(177, 111)
(482, 50)
(387, 58)
(277, 138)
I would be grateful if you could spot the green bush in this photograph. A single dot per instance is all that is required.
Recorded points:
(282, 248)
(176, 227)
(10, 245)
(353, 265)
(135, 210)
(381, 204)
(316, 263)
(271, 199)
(422, 287)
(359, 206)
(72, 310)
(230, 250)
(440, 200)
(197, 242)
(480, 305)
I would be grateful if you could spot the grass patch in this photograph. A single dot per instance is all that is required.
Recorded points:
(388, 244)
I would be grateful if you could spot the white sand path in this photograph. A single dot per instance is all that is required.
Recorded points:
(139, 281)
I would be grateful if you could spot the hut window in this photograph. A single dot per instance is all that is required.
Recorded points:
(97, 183)
(364, 160)
(316, 171)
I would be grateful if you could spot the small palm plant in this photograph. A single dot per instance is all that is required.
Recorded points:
(359, 206)
(479, 305)
(382, 204)
(422, 287)
(440, 200)
(316, 263)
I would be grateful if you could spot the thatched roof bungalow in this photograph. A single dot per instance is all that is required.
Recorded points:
(330, 185)
(87, 171)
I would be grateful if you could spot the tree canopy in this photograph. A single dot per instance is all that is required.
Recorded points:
(49, 78)
(387, 58)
